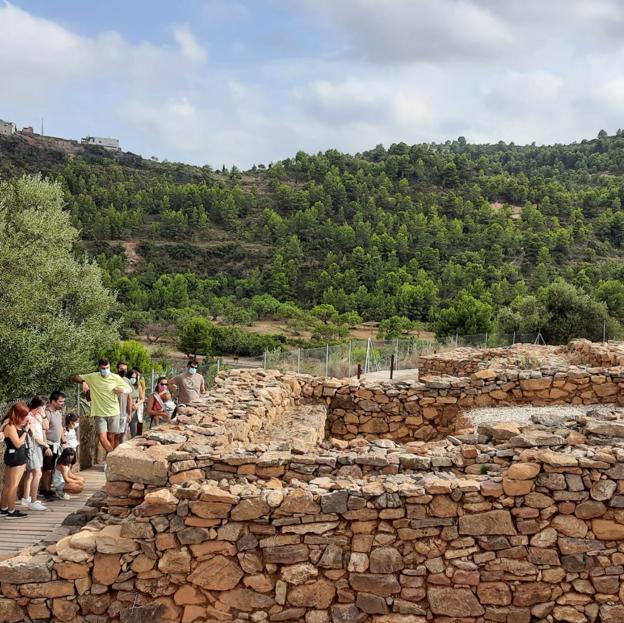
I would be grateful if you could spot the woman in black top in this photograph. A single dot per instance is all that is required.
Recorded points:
(15, 434)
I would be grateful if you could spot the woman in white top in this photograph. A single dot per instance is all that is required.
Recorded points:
(37, 447)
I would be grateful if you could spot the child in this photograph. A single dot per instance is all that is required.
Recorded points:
(64, 480)
(72, 435)
(169, 406)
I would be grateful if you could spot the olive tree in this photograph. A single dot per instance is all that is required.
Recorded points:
(55, 313)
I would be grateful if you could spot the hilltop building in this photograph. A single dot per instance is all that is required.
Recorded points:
(7, 127)
(108, 143)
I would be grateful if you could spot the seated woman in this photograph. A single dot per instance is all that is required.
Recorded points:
(64, 480)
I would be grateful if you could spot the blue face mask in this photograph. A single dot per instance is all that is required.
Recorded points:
(192, 370)
(105, 371)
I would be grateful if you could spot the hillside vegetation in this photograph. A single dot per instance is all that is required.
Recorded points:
(455, 237)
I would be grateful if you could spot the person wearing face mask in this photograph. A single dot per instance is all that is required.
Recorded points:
(105, 388)
(126, 404)
(189, 385)
(156, 402)
(135, 399)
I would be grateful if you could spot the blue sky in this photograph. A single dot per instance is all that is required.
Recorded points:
(252, 81)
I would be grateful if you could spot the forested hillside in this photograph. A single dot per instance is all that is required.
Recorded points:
(457, 237)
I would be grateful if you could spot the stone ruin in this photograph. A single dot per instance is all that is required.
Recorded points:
(289, 498)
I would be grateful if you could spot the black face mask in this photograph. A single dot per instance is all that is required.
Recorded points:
(122, 372)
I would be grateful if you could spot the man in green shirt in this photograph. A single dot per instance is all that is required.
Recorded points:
(105, 387)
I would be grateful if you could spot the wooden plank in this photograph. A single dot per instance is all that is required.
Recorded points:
(47, 525)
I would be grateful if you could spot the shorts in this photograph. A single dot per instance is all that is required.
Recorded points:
(106, 424)
(49, 462)
(15, 458)
(35, 457)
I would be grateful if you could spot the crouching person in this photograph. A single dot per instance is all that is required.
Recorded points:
(64, 480)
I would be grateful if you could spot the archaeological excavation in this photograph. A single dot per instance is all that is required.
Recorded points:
(489, 489)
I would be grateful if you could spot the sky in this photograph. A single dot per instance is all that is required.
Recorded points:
(239, 82)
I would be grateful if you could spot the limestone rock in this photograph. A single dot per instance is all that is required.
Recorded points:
(453, 602)
(25, 568)
(130, 463)
(317, 594)
(497, 522)
(217, 574)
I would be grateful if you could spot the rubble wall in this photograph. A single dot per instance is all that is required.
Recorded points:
(536, 537)
(464, 361)
(431, 408)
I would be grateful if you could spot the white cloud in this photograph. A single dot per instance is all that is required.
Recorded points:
(398, 31)
(189, 46)
(380, 71)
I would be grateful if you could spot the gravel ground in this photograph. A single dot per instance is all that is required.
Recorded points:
(522, 415)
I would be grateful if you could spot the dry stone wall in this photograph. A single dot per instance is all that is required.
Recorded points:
(217, 518)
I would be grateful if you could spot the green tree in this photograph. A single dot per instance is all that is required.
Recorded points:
(55, 313)
(393, 327)
(466, 315)
(133, 353)
(611, 292)
(196, 337)
(325, 313)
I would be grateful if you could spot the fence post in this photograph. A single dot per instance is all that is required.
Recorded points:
(604, 330)
(391, 366)
(326, 359)
(396, 359)
(298, 360)
(152, 382)
(218, 365)
(486, 336)
(367, 360)
(513, 341)
(78, 399)
(456, 340)
(349, 371)
(265, 359)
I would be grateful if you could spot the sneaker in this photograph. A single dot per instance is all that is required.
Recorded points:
(4, 511)
(37, 506)
(15, 515)
(25, 501)
(61, 495)
(49, 496)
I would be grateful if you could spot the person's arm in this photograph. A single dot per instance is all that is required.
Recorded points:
(18, 440)
(78, 378)
(202, 387)
(150, 405)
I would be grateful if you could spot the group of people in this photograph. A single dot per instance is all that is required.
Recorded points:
(118, 400)
(42, 444)
(41, 447)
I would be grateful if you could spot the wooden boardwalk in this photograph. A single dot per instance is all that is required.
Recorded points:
(46, 525)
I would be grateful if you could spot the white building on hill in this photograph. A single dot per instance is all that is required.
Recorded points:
(7, 127)
(108, 143)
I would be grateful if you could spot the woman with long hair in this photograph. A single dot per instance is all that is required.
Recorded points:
(64, 480)
(37, 447)
(15, 429)
(156, 402)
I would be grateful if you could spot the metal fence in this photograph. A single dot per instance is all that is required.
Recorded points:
(369, 356)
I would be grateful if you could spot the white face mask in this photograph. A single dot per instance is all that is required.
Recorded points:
(105, 372)
(133, 381)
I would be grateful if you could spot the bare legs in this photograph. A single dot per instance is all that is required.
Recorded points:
(12, 477)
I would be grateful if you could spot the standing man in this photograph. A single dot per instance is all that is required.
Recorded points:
(55, 437)
(105, 388)
(189, 385)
